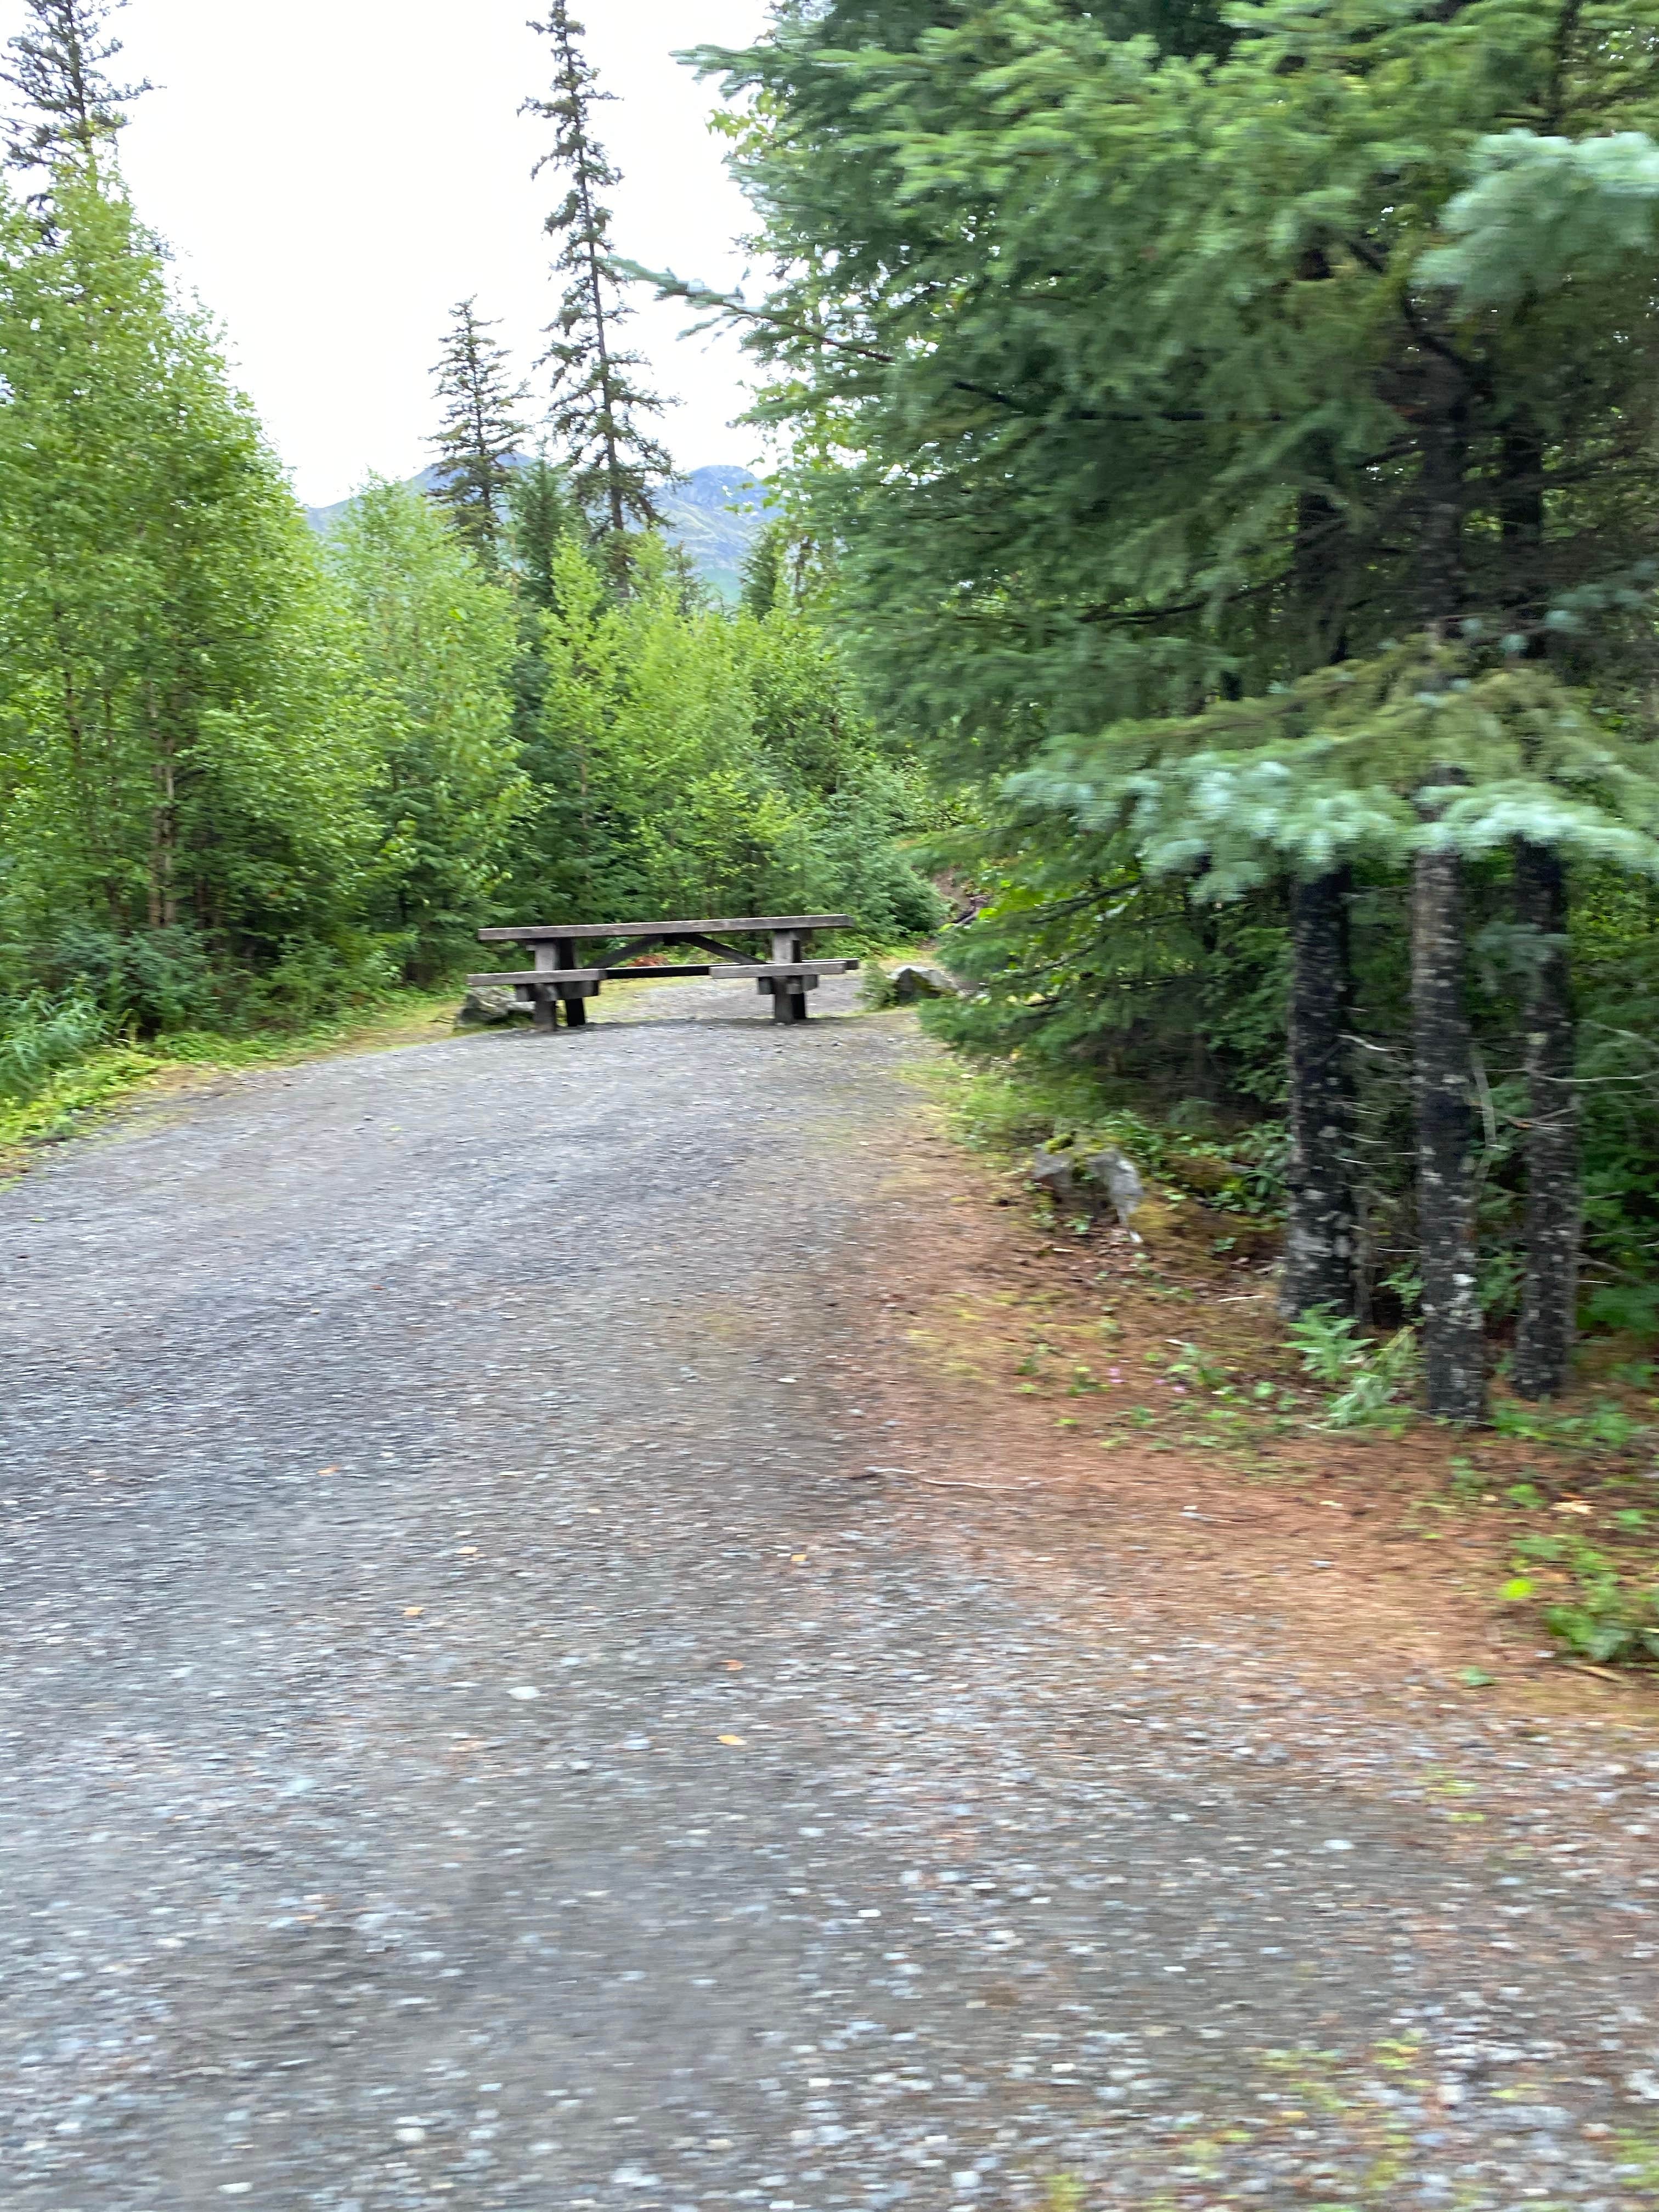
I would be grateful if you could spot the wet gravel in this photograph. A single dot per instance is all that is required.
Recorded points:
(465, 1739)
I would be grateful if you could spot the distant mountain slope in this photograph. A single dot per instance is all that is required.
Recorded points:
(713, 512)
(716, 514)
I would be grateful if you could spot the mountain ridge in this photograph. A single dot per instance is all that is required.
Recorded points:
(715, 514)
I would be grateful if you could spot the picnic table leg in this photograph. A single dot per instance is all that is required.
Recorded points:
(787, 1005)
(543, 998)
(576, 1008)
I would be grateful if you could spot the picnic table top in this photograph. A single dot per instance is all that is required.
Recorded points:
(537, 931)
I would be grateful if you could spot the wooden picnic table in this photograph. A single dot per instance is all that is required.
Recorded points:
(559, 978)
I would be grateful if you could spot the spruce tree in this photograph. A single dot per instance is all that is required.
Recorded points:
(57, 68)
(480, 434)
(599, 400)
(1169, 381)
(544, 519)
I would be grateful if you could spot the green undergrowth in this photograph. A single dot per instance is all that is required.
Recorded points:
(1004, 1107)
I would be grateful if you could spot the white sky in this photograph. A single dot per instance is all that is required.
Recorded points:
(332, 175)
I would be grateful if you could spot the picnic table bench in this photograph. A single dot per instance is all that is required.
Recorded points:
(559, 978)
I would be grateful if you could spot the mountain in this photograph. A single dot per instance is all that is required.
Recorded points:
(715, 513)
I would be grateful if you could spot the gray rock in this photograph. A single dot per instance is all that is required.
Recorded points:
(490, 1006)
(1054, 1174)
(910, 983)
(1119, 1178)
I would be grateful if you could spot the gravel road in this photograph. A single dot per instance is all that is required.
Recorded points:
(472, 1734)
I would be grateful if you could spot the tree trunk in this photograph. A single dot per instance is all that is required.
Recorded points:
(1319, 1243)
(1453, 1344)
(1319, 1229)
(1453, 1351)
(1549, 1298)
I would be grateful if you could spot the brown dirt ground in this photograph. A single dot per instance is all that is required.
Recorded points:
(1350, 1549)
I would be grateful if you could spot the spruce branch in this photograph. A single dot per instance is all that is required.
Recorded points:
(56, 66)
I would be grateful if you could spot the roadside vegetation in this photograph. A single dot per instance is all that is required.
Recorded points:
(253, 782)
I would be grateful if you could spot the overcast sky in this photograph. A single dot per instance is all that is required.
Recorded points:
(332, 175)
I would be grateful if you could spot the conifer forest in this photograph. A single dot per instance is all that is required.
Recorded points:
(1209, 592)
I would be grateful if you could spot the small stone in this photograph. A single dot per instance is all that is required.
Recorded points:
(492, 1006)
(1053, 1175)
(525, 1692)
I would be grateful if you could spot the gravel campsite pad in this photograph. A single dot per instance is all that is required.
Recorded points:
(476, 1732)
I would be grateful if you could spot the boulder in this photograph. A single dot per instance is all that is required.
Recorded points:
(909, 983)
(1054, 1174)
(492, 1006)
(1117, 1177)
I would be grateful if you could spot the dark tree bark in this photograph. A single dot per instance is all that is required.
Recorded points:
(1319, 1228)
(1453, 1355)
(1454, 1352)
(1549, 1297)
(1321, 1239)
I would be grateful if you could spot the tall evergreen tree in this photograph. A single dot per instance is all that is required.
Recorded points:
(57, 68)
(480, 434)
(1179, 368)
(544, 519)
(600, 402)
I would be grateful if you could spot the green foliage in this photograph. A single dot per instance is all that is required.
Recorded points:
(1365, 1377)
(1085, 961)
(1141, 362)
(1610, 1618)
(178, 748)
(693, 762)
(543, 517)
(39, 1035)
(435, 643)
(1349, 764)
(1543, 212)
(71, 110)
(1330, 1344)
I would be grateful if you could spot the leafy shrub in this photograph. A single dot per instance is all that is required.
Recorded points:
(1372, 1377)
(1607, 1618)
(1377, 1382)
(149, 980)
(39, 1036)
(1330, 1343)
